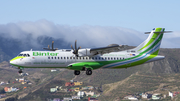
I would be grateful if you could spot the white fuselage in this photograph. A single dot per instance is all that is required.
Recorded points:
(63, 58)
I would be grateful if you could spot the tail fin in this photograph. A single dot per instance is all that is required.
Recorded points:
(152, 44)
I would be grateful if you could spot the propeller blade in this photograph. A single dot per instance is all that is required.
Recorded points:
(75, 45)
(48, 47)
(79, 47)
(72, 47)
(52, 45)
(75, 49)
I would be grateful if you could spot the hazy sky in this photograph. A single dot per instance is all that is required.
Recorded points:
(136, 15)
(141, 15)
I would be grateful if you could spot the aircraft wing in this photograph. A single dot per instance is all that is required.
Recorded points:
(108, 49)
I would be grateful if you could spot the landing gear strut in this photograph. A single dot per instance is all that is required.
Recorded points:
(76, 72)
(88, 71)
(20, 71)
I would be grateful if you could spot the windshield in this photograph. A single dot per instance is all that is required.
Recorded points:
(26, 55)
(20, 55)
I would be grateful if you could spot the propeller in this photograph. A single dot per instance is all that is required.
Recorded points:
(75, 50)
(51, 49)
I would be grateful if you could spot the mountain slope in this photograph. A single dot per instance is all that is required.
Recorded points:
(140, 83)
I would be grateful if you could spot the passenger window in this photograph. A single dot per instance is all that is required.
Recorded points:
(123, 58)
(61, 58)
(48, 57)
(70, 57)
(86, 58)
(99, 58)
(54, 57)
(92, 57)
(117, 58)
(111, 58)
(114, 58)
(108, 58)
(58, 57)
(105, 58)
(73, 57)
(51, 57)
(64, 57)
(96, 58)
(67, 57)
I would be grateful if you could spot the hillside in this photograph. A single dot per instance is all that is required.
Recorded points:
(140, 83)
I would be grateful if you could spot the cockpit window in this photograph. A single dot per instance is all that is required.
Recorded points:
(26, 55)
(20, 55)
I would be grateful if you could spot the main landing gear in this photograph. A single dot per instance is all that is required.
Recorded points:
(76, 72)
(88, 72)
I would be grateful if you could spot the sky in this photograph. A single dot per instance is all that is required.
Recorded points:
(100, 18)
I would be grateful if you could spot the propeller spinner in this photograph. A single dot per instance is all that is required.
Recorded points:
(75, 50)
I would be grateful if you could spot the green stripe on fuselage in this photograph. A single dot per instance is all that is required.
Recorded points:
(137, 62)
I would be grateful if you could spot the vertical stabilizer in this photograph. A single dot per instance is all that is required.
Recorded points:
(152, 44)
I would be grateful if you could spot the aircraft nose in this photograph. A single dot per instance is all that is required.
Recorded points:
(12, 62)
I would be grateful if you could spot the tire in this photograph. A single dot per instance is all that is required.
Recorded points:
(76, 72)
(88, 71)
(20, 71)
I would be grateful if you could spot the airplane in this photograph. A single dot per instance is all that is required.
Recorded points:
(88, 59)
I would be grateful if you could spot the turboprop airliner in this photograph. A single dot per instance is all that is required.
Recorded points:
(88, 59)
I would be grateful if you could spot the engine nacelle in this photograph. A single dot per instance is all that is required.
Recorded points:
(85, 52)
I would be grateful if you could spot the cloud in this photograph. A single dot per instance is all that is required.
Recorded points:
(86, 35)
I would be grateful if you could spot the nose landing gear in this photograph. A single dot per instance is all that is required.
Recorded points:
(20, 71)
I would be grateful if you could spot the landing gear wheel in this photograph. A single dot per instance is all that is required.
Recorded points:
(76, 72)
(20, 71)
(88, 71)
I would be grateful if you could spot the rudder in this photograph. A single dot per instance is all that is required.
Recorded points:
(152, 44)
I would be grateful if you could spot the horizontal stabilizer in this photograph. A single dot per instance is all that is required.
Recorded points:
(159, 32)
